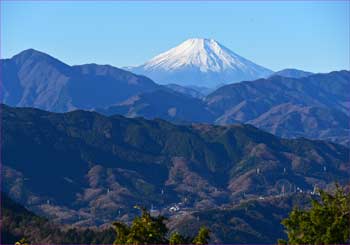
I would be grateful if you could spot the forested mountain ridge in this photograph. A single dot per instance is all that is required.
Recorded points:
(96, 168)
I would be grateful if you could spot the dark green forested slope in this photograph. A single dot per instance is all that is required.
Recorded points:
(88, 169)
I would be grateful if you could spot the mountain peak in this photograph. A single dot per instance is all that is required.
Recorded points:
(205, 54)
(199, 41)
(200, 60)
(33, 55)
(31, 52)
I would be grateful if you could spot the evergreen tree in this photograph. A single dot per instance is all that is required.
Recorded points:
(326, 222)
(143, 230)
(203, 236)
(122, 231)
(176, 238)
(152, 230)
(23, 241)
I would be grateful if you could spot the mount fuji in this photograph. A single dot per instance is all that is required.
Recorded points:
(200, 62)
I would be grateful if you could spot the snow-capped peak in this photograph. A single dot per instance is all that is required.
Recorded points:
(201, 62)
(206, 54)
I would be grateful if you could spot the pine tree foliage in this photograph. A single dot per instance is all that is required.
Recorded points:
(326, 222)
(203, 236)
(146, 229)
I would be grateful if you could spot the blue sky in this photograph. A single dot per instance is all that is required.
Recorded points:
(307, 35)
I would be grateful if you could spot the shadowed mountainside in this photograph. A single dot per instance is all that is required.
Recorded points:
(35, 79)
(85, 168)
(314, 106)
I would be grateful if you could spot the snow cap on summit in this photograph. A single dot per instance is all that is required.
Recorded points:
(207, 54)
(200, 61)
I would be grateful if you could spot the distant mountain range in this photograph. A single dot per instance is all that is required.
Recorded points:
(316, 106)
(196, 92)
(292, 73)
(35, 79)
(166, 104)
(200, 62)
(85, 168)
(291, 103)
